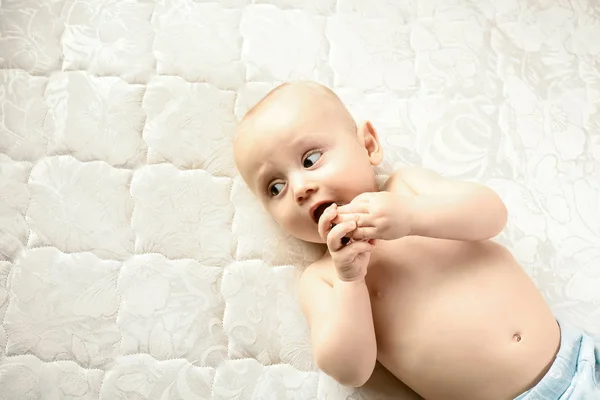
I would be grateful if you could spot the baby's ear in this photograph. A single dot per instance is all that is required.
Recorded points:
(367, 136)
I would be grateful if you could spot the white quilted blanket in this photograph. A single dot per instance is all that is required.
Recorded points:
(135, 264)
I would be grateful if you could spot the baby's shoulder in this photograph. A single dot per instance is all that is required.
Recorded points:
(321, 270)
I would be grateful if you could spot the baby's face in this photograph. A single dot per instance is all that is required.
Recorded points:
(299, 156)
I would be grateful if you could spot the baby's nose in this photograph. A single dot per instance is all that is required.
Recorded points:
(303, 194)
(303, 190)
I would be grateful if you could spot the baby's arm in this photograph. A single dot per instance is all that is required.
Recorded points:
(341, 324)
(447, 208)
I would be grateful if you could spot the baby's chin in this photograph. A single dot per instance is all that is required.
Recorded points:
(304, 230)
(309, 237)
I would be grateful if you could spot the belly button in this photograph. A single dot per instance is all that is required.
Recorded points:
(517, 337)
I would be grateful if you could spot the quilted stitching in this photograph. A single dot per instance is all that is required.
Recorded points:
(135, 263)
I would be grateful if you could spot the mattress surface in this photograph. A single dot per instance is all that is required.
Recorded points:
(135, 263)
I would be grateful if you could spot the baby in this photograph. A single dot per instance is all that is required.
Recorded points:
(410, 276)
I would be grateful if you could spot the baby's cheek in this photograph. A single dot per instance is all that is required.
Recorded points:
(292, 223)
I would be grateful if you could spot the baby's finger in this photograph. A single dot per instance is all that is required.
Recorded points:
(339, 218)
(349, 252)
(353, 208)
(361, 247)
(334, 237)
(360, 219)
(364, 197)
(326, 219)
(367, 232)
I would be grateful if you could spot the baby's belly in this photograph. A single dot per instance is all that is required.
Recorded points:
(472, 326)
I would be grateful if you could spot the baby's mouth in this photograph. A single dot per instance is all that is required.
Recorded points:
(321, 209)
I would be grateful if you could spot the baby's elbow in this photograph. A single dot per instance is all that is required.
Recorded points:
(357, 381)
(354, 379)
(497, 215)
(500, 218)
(346, 373)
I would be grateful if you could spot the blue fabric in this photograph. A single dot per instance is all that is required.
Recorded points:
(575, 373)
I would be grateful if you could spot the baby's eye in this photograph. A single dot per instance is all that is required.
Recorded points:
(276, 188)
(311, 159)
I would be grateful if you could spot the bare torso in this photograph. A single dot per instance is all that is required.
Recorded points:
(457, 320)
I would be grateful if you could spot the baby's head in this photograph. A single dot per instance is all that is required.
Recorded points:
(299, 150)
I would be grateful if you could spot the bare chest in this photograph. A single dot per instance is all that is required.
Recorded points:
(417, 264)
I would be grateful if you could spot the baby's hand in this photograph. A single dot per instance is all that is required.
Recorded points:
(378, 215)
(352, 259)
